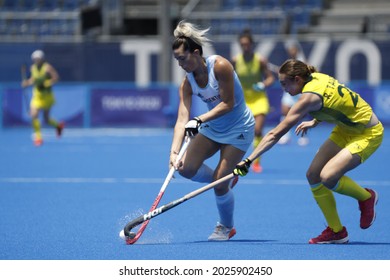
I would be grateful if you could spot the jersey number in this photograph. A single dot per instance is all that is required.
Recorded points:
(354, 96)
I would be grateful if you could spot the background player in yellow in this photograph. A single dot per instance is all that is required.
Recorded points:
(43, 77)
(252, 69)
(356, 136)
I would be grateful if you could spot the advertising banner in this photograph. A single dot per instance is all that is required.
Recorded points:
(69, 106)
(134, 107)
(113, 105)
(15, 107)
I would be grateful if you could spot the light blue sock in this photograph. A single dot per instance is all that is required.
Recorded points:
(225, 205)
(204, 174)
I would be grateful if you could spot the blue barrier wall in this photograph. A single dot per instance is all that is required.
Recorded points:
(95, 105)
(121, 104)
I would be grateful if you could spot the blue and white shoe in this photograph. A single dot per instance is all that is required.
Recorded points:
(222, 233)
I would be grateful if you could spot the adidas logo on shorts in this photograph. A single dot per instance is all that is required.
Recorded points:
(241, 137)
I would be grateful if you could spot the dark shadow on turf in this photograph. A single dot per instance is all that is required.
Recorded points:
(236, 241)
(353, 243)
(368, 243)
(208, 242)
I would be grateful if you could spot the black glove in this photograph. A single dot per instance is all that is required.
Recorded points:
(242, 168)
(192, 127)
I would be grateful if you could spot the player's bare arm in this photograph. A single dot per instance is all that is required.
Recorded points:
(303, 127)
(269, 78)
(312, 102)
(185, 101)
(53, 74)
(223, 71)
(307, 103)
(28, 82)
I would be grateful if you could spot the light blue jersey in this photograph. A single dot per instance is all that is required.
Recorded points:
(235, 127)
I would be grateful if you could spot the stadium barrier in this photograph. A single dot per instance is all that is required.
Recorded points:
(127, 105)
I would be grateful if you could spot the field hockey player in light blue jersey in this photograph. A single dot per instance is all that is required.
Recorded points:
(227, 127)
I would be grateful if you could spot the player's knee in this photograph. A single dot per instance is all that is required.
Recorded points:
(33, 114)
(312, 176)
(328, 179)
(187, 172)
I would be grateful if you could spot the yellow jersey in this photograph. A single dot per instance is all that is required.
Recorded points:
(43, 97)
(340, 105)
(249, 73)
(40, 75)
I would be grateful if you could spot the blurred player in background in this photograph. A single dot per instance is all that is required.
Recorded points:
(294, 52)
(227, 127)
(356, 136)
(252, 69)
(43, 77)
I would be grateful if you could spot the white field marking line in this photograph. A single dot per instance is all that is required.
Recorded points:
(111, 132)
(16, 180)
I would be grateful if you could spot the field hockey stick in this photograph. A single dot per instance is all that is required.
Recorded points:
(183, 149)
(151, 214)
(23, 73)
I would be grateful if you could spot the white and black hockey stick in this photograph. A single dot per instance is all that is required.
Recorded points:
(23, 73)
(129, 236)
(133, 237)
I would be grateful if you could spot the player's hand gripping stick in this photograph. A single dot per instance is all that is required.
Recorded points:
(192, 127)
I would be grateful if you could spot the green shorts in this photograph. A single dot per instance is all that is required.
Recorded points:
(364, 144)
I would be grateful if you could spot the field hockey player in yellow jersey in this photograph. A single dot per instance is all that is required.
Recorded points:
(252, 69)
(43, 77)
(356, 136)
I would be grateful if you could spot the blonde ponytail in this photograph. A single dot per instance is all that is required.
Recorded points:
(189, 30)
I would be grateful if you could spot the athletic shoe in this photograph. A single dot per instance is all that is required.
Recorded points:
(285, 139)
(303, 141)
(38, 142)
(256, 167)
(367, 208)
(59, 128)
(222, 233)
(328, 236)
(233, 182)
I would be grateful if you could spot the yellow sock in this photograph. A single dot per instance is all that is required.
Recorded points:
(327, 204)
(256, 142)
(36, 124)
(349, 187)
(53, 123)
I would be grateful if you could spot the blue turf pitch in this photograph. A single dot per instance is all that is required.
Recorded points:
(70, 198)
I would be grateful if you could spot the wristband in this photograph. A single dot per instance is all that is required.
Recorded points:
(198, 120)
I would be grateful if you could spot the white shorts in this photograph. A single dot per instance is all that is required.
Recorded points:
(239, 137)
